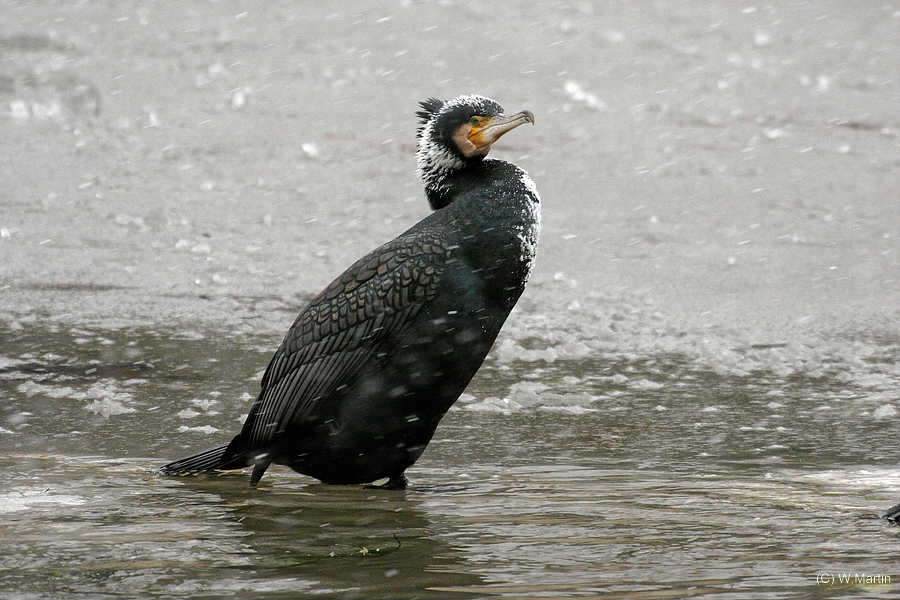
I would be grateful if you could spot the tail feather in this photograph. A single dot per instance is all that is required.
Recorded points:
(210, 460)
(221, 458)
(892, 514)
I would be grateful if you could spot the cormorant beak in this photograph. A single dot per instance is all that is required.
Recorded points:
(491, 129)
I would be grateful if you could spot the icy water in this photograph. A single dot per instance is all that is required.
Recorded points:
(696, 397)
(638, 477)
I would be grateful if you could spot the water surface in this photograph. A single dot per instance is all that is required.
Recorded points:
(645, 478)
(697, 395)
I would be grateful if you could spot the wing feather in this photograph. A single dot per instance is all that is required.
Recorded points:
(344, 328)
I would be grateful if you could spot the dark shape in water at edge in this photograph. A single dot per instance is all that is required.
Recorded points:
(892, 514)
(368, 369)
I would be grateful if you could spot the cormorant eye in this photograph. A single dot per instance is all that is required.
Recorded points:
(474, 121)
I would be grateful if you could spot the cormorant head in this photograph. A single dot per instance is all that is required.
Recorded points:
(458, 133)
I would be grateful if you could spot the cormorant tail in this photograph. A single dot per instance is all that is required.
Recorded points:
(210, 460)
(892, 514)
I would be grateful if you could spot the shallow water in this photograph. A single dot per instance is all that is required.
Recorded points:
(645, 478)
(697, 395)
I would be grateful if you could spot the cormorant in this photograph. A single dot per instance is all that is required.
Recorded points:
(371, 365)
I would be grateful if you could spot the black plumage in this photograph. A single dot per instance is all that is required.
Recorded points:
(892, 514)
(371, 365)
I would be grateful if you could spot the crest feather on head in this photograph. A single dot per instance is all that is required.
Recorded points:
(430, 107)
